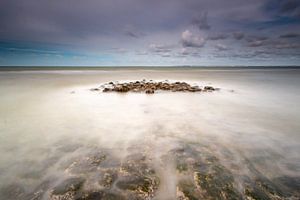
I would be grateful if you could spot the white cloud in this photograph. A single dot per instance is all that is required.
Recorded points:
(221, 47)
(190, 40)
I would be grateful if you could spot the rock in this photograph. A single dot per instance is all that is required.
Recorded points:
(142, 185)
(149, 91)
(71, 184)
(138, 177)
(186, 190)
(121, 88)
(108, 178)
(106, 90)
(292, 183)
(86, 164)
(151, 86)
(209, 88)
(196, 89)
(12, 191)
(255, 193)
(105, 195)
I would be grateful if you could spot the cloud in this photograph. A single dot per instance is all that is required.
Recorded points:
(133, 32)
(188, 39)
(238, 35)
(141, 52)
(290, 35)
(220, 36)
(257, 38)
(221, 47)
(185, 52)
(201, 21)
(289, 6)
(284, 8)
(287, 46)
(119, 50)
(256, 43)
(38, 51)
(159, 48)
(94, 26)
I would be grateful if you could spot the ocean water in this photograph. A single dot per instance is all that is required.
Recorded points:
(241, 142)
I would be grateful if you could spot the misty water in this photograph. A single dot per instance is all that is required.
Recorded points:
(241, 142)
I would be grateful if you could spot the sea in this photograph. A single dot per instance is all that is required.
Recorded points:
(60, 140)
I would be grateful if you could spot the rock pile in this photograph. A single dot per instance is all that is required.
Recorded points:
(149, 87)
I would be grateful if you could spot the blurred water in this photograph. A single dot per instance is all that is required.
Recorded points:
(49, 117)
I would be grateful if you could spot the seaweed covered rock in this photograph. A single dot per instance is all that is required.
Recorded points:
(67, 189)
(138, 177)
(149, 87)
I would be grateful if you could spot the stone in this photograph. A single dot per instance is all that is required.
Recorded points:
(100, 195)
(151, 86)
(12, 191)
(142, 185)
(149, 91)
(71, 184)
(209, 88)
(106, 90)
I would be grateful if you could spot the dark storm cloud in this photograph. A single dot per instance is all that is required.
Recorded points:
(288, 46)
(51, 20)
(120, 26)
(256, 41)
(219, 36)
(81, 21)
(238, 35)
(287, 8)
(256, 38)
(201, 21)
(290, 35)
(133, 32)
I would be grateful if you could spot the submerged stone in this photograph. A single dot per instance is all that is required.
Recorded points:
(144, 186)
(71, 184)
(105, 195)
(12, 191)
(108, 178)
(186, 190)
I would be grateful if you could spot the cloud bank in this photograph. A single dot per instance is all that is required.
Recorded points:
(149, 31)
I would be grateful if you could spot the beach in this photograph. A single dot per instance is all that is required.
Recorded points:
(60, 140)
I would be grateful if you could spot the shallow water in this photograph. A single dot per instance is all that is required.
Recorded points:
(240, 142)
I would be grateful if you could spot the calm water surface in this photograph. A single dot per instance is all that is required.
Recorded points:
(242, 142)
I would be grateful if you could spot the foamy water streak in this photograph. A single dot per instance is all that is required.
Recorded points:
(48, 120)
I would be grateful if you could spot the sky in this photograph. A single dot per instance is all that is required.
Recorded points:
(149, 32)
